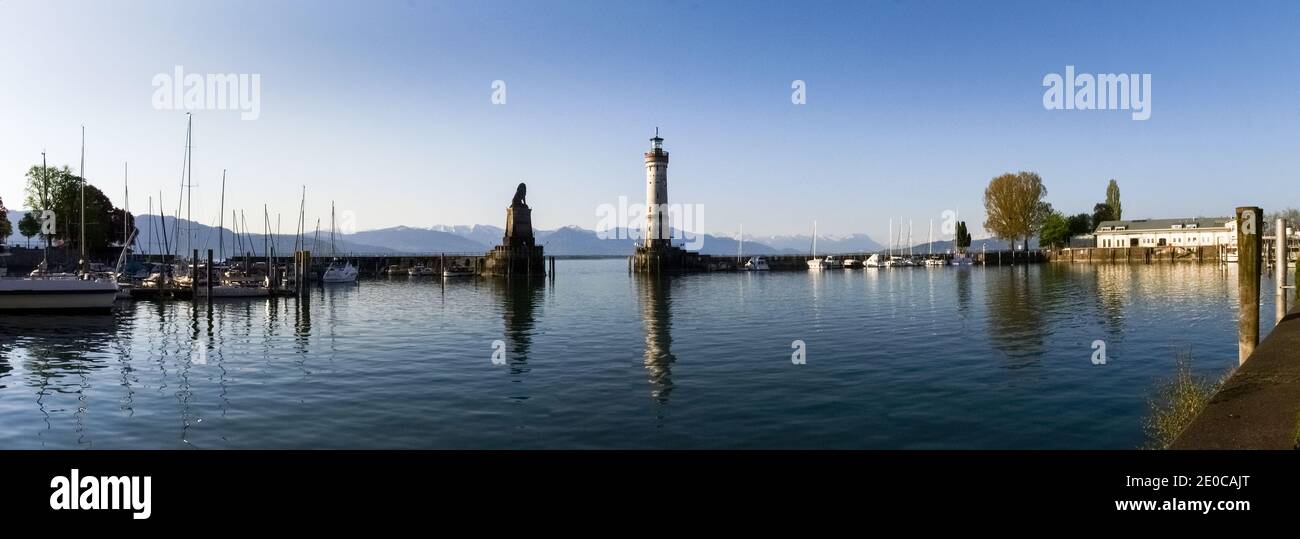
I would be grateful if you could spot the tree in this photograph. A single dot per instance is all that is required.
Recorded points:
(1014, 206)
(962, 240)
(42, 184)
(29, 226)
(1101, 212)
(1080, 223)
(1291, 215)
(1112, 200)
(1055, 231)
(50, 188)
(6, 228)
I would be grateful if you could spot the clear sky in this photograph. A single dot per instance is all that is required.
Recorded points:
(385, 106)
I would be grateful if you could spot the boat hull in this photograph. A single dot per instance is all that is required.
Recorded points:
(56, 295)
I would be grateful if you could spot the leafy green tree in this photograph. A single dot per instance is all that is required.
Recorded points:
(1055, 232)
(963, 238)
(1101, 212)
(1080, 223)
(6, 228)
(61, 191)
(1112, 200)
(29, 226)
(1014, 206)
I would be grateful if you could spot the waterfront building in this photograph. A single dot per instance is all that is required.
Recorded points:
(1186, 232)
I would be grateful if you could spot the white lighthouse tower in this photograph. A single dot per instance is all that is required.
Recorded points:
(657, 226)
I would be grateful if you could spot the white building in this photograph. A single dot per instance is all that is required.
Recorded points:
(1194, 232)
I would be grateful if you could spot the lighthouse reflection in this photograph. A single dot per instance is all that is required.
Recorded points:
(654, 294)
(519, 299)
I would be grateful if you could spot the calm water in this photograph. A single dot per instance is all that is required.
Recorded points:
(596, 358)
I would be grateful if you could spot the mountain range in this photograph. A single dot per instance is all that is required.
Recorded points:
(564, 241)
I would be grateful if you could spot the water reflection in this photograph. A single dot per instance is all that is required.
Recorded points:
(1016, 323)
(654, 293)
(519, 299)
(59, 354)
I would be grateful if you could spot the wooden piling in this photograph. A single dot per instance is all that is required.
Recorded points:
(209, 275)
(1249, 221)
(194, 274)
(1279, 271)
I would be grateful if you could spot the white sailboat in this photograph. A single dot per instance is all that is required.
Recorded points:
(48, 292)
(815, 263)
(339, 271)
(931, 260)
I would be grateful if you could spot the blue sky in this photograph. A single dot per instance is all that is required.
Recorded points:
(912, 107)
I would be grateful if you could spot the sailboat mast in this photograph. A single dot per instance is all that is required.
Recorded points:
(189, 189)
(162, 227)
(814, 253)
(929, 238)
(740, 247)
(221, 225)
(82, 241)
(891, 237)
(153, 235)
(45, 200)
(126, 202)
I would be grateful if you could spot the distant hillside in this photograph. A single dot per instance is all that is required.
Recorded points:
(487, 235)
(991, 244)
(418, 240)
(855, 243)
(565, 241)
(153, 229)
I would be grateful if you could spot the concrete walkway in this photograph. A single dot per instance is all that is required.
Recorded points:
(1259, 406)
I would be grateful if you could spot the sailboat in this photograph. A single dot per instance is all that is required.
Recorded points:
(892, 261)
(931, 260)
(815, 263)
(49, 292)
(339, 271)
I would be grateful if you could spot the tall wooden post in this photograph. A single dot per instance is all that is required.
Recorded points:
(1249, 221)
(209, 275)
(1279, 272)
(194, 274)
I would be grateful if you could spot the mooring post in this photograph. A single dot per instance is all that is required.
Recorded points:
(1249, 220)
(194, 274)
(209, 276)
(1279, 271)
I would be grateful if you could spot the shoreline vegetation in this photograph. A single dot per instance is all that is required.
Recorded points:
(1177, 401)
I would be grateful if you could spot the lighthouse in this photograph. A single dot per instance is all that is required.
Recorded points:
(658, 227)
(657, 254)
